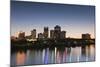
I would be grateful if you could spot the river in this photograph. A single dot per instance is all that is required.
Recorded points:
(53, 55)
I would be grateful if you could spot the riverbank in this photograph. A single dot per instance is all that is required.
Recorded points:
(41, 43)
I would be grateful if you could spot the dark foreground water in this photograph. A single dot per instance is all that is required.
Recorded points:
(54, 55)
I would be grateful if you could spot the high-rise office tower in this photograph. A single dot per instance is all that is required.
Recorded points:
(21, 35)
(46, 32)
(33, 34)
(86, 36)
(57, 31)
(52, 34)
(63, 34)
(40, 35)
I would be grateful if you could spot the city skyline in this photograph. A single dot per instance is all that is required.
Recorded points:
(75, 20)
(56, 33)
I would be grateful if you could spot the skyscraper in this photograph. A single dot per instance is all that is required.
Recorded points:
(51, 33)
(86, 36)
(46, 32)
(57, 31)
(21, 35)
(40, 35)
(63, 34)
(33, 34)
(57, 28)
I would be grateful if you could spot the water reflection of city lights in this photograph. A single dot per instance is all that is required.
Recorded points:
(20, 58)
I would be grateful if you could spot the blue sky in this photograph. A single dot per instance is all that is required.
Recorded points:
(75, 19)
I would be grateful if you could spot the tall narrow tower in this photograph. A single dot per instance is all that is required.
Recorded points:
(33, 34)
(46, 32)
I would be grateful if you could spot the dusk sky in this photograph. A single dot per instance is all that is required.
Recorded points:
(74, 19)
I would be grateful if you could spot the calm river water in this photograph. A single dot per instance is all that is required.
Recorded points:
(52, 56)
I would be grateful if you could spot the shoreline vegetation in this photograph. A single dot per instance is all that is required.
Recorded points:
(50, 43)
